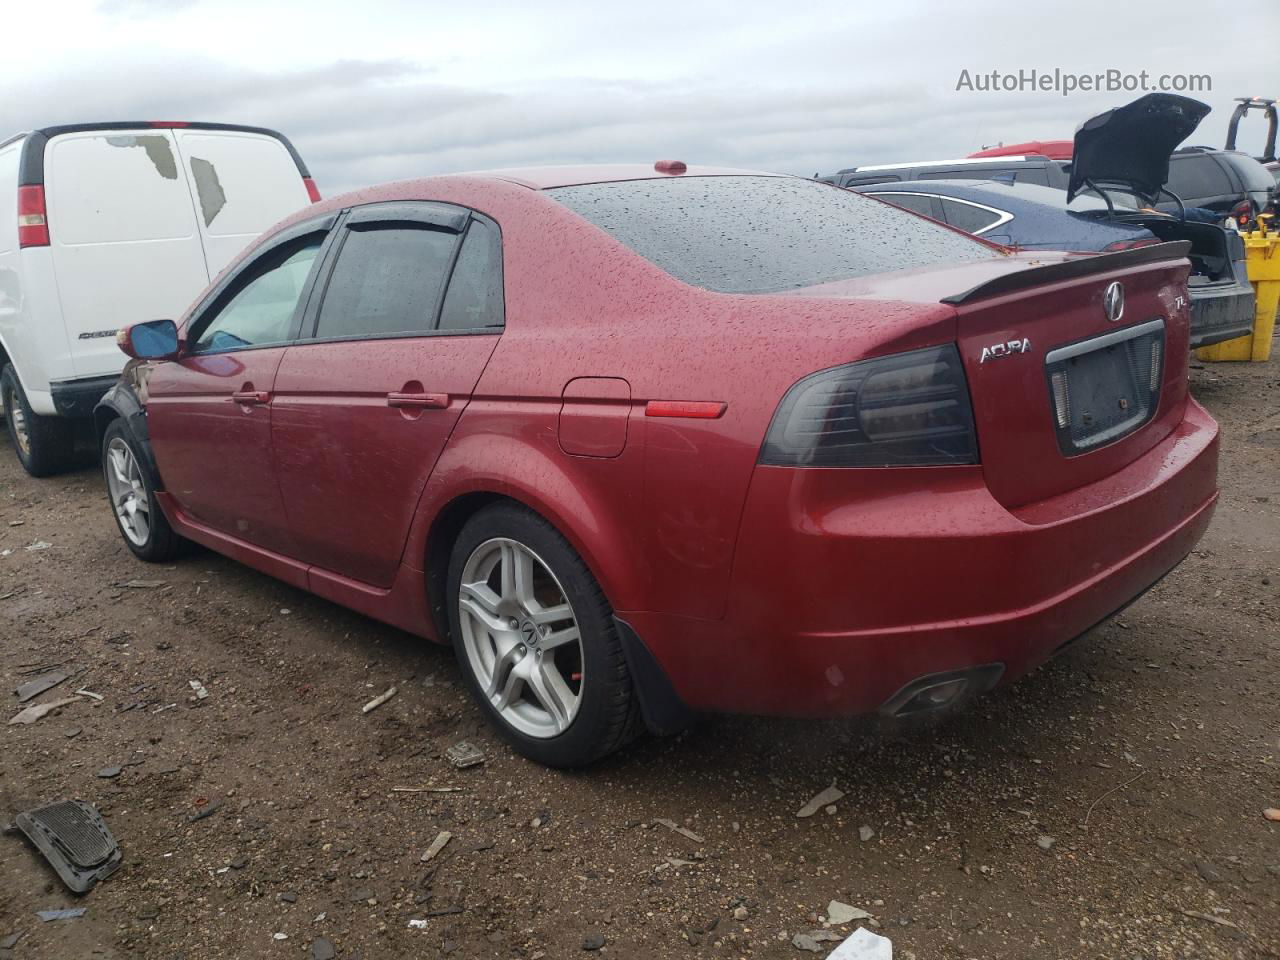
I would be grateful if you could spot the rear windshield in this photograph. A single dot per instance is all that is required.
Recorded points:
(764, 234)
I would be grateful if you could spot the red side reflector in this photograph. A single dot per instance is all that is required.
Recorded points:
(168, 124)
(690, 409)
(670, 166)
(312, 191)
(33, 227)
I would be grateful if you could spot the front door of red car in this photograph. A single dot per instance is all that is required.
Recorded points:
(411, 312)
(209, 413)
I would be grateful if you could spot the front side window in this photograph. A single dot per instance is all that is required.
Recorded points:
(752, 234)
(387, 281)
(261, 310)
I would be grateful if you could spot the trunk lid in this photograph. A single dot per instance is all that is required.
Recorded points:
(1130, 145)
(1039, 437)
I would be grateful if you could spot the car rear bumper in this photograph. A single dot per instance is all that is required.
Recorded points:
(1221, 311)
(851, 585)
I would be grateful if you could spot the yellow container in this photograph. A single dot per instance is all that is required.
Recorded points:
(1262, 260)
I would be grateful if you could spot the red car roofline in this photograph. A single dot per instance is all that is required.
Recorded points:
(574, 175)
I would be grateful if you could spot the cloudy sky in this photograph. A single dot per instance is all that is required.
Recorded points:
(375, 90)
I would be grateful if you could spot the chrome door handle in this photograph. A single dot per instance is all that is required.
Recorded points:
(431, 401)
(251, 397)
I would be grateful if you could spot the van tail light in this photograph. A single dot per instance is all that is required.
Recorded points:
(904, 410)
(1130, 244)
(312, 191)
(33, 225)
(1242, 213)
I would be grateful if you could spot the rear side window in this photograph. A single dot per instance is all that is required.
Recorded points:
(106, 187)
(260, 310)
(387, 282)
(474, 300)
(1252, 174)
(964, 216)
(915, 202)
(1196, 176)
(763, 234)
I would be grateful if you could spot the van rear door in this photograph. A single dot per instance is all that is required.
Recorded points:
(242, 183)
(124, 237)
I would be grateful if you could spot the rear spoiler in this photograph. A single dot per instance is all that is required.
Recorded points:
(1071, 269)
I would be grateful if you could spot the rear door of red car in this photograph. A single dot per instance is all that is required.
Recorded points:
(209, 414)
(367, 398)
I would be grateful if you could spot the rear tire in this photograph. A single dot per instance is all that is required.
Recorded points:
(535, 638)
(141, 522)
(44, 445)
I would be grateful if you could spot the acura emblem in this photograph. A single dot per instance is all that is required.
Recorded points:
(1113, 301)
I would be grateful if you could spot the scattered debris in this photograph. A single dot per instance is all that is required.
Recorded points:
(1221, 921)
(110, 773)
(803, 941)
(11, 941)
(462, 755)
(841, 913)
(90, 694)
(740, 913)
(76, 841)
(33, 688)
(379, 700)
(1104, 796)
(417, 924)
(142, 584)
(16, 523)
(593, 941)
(40, 545)
(862, 944)
(199, 689)
(865, 834)
(1207, 873)
(287, 897)
(70, 913)
(1272, 814)
(33, 713)
(426, 789)
(279, 936)
(1045, 842)
(683, 831)
(823, 799)
(208, 810)
(438, 844)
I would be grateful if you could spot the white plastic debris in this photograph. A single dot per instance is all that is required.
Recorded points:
(862, 944)
(825, 798)
(683, 831)
(417, 924)
(34, 713)
(841, 913)
(379, 700)
(199, 689)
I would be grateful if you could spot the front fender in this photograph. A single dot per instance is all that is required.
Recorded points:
(121, 402)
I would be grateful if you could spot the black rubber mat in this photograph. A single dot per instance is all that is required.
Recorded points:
(75, 840)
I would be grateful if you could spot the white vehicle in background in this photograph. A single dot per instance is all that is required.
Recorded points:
(107, 224)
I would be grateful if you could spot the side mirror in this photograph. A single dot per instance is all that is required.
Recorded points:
(153, 340)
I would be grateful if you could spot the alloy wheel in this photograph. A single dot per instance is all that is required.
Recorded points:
(17, 423)
(521, 637)
(128, 493)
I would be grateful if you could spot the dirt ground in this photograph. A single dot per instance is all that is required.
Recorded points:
(1147, 753)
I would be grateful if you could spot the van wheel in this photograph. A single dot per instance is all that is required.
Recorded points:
(140, 520)
(536, 641)
(44, 444)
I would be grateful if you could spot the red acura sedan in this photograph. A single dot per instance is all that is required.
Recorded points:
(646, 441)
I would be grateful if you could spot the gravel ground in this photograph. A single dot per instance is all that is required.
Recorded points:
(1110, 805)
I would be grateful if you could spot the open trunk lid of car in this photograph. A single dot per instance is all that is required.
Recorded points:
(1076, 367)
(1130, 145)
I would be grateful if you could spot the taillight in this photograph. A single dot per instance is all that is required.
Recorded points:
(33, 226)
(1242, 213)
(312, 191)
(1130, 244)
(908, 409)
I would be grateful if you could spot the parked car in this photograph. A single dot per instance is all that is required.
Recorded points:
(103, 223)
(1229, 182)
(641, 441)
(1028, 168)
(1032, 217)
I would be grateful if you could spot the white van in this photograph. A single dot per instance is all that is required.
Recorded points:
(107, 224)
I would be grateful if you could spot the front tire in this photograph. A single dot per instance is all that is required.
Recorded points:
(44, 444)
(534, 635)
(139, 519)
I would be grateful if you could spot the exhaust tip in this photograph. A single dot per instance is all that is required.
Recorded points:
(938, 692)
